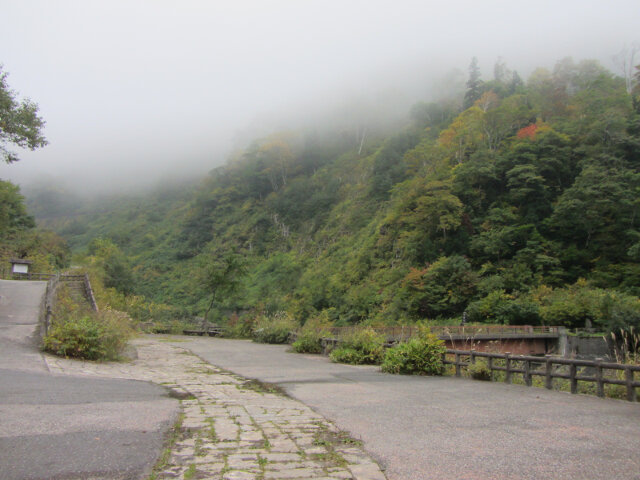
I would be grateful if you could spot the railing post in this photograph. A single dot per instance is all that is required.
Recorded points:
(599, 382)
(490, 366)
(47, 320)
(527, 373)
(507, 377)
(548, 379)
(457, 364)
(631, 391)
(472, 356)
(572, 378)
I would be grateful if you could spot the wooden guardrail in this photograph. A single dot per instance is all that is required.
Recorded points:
(550, 368)
(32, 276)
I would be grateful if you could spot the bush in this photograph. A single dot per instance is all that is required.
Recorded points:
(275, 328)
(360, 347)
(238, 327)
(309, 339)
(573, 306)
(421, 355)
(308, 342)
(479, 371)
(507, 309)
(91, 337)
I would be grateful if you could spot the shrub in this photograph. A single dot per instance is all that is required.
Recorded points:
(362, 346)
(479, 371)
(309, 339)
(508, 309)
(274, 328)
(351, 356)
(92, 337)
(421, 355)
(573, 306)
(308, 342)
(238, 326)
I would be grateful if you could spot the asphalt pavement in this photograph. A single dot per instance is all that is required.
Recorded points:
(448, 428)
(65, 427)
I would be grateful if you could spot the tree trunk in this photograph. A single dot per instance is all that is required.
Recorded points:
(206, 312)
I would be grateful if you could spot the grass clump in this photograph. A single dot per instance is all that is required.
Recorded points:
(360, 347)
(274, 328)
(421, 355)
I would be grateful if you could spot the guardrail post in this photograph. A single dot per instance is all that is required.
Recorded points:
(472, 357)
(631, 391)
(548, 378)
(457, 364)
(490, 366)
(527, 373)
(507, 377)
(599, 382)
(572, 378)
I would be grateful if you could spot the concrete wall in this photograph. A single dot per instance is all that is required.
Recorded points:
(588, 347)
(516, 346)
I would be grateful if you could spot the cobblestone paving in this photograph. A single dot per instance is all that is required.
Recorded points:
(233, 429)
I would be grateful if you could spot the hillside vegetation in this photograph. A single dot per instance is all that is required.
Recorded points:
(518, 204)
(19, 237)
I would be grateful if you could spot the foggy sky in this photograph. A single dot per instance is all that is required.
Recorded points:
(133, 90)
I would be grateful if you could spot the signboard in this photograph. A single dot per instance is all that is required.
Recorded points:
(20, 268)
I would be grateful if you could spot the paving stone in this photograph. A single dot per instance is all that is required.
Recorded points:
(367, 471)
(241, 418)
(295, 473)
(281, 457)
(240, 475)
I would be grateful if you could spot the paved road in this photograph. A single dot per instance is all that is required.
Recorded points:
(448, 428)
(65, 427)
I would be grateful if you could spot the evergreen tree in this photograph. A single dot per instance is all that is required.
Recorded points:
(474, 84)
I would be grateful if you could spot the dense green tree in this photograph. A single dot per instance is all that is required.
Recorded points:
(443, 288)
(20, 124)
(220, 275)
(113, 264)
(13, 213)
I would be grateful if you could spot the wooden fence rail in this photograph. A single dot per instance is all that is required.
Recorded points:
(550, 367)
(32, 276)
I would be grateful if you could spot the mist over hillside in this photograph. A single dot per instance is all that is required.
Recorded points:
(134, 92)
(359, 162)
(515, 202)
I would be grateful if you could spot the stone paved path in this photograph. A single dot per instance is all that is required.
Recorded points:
(232, 429)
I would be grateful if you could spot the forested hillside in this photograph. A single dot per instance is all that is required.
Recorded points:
(517, 204)
(19, 237)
